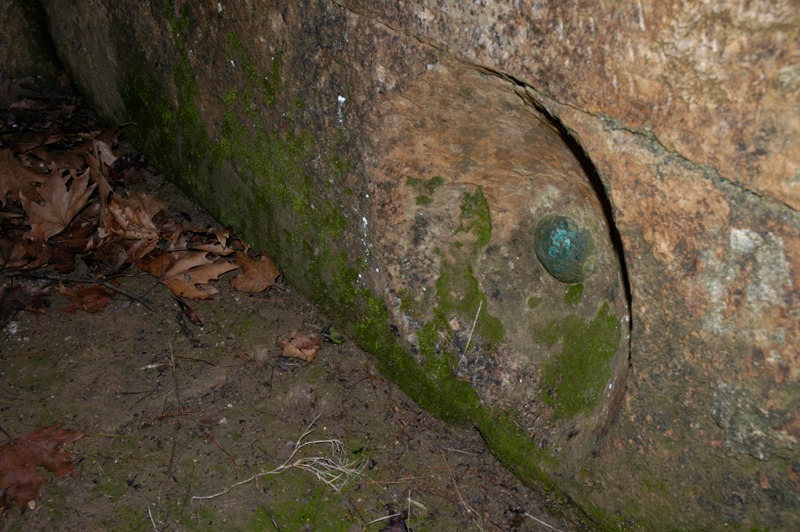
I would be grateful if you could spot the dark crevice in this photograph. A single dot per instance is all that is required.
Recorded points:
(599, 188)
(37, 19)
(590, 171)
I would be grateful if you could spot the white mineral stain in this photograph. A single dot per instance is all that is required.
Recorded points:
(761, 259)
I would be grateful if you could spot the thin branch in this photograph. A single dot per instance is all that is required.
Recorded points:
(542, 522)
(470, 509)
(474, 323)
(129, 295)
(81, 280)
(378, 520)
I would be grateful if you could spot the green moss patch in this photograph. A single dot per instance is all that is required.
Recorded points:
(573, 381)
(534, 302)
(433, 385)
(573, 294)
(476, 217)
(458, 293)
(260, 88)
(274, 187)
(425, 188)
(515, 448)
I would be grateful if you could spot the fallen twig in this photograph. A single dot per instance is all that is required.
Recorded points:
(384, 518)
(81, 280)
(466, 506)
(220, 447)
(472, 330)
(542, 522)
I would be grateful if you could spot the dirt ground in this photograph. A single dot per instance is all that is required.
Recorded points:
(209, 428)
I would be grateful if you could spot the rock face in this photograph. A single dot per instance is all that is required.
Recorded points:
(572, 225)
(25, 48)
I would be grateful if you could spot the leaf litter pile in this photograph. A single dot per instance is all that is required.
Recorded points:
(64, 196)
(187, 411)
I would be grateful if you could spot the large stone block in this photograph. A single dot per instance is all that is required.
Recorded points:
(573, 225)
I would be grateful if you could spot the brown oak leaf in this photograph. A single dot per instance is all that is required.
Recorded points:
(259, 274)
(300, 346)
(59, 206)
(212, 240)
(188, 276)
(21, 458)
(132, 219)
(15, 177)
(91, 299)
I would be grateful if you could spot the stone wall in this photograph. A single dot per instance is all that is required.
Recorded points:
(400, 160)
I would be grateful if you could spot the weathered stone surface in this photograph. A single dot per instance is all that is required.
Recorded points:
(714, 82)
(25, 49)
(467, 170)
(396, 159)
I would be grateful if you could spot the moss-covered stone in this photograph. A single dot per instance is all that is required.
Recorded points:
(263, 86)
(573, 293)
(476, 217)
(457, 292)
(425, 188)
(573, 382)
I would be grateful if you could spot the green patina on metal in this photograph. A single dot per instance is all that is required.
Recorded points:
(565, 249)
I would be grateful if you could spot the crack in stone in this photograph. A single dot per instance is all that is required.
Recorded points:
(613, 124)
(610, 123)
(389, 27)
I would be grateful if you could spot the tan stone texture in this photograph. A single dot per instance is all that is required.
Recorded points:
(716, 82)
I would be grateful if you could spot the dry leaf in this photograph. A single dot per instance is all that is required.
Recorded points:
(15, 177)
(107, 259)
(188, 276)
(59, 160)
(17, 252)
(21, 458)
(259, 274)
(99, 179)
(59, 206)
(190, 313)
(213, 241)
(91, 299)
(11, 90)
(300, 346)
(107, 156)
(132, 219)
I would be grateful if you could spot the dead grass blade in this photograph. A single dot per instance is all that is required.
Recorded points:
(333, 468)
